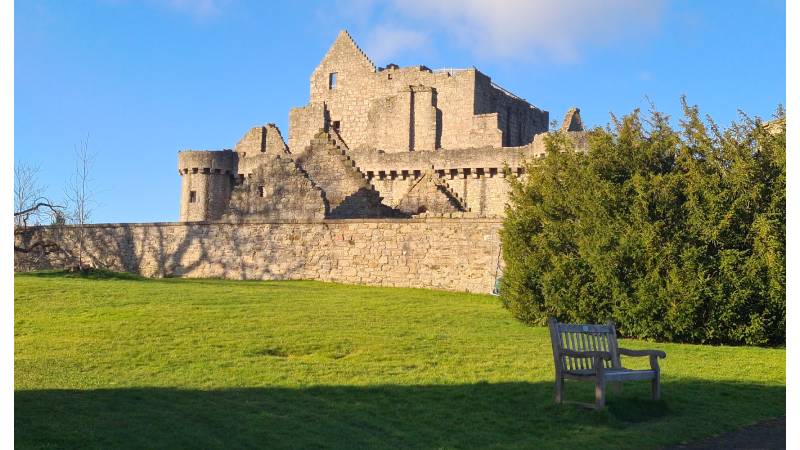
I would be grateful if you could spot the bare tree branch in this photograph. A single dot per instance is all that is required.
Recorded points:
(53, 208)
(80, 196)
(30, 207)
(27, 191)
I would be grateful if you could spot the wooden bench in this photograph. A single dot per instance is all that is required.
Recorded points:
(591, 353)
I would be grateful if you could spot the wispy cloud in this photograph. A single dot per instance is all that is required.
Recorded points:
(387, 41)
(513, 29)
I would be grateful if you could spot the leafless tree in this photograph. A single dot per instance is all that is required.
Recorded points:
(30, 206)
(80, 197)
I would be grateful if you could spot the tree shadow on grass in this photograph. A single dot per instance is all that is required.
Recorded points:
(502, 415)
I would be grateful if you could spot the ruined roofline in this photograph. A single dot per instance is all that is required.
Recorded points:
(450, 71)
(454, 72)
(346, 34)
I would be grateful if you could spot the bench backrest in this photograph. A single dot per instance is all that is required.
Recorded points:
(582, 338)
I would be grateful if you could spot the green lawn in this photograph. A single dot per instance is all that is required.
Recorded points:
(127, 362)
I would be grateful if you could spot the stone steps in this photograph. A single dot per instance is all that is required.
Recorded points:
(462, 203)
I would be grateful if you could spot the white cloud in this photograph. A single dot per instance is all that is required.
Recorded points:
(387, 41)
(521, 29)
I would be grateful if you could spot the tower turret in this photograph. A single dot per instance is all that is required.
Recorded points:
(206, 181)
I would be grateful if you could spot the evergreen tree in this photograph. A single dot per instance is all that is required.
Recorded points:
(675, 235)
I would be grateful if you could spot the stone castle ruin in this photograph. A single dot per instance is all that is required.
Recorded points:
(374, 142)
(391, 177)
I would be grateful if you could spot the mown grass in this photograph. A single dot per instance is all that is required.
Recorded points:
(118, 361)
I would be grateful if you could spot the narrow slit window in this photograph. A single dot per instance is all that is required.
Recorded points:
(192, 196)
(261, 191)
(332, 80)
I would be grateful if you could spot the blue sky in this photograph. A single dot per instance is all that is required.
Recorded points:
(146, 78)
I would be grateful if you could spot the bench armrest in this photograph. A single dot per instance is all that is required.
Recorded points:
(653, 354)
(628, 352)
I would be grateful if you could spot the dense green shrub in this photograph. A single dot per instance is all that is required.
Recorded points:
(675, 235)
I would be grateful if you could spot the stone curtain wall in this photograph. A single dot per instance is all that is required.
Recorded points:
(439, 253)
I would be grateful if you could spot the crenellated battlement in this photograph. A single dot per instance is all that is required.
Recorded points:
(207, 162)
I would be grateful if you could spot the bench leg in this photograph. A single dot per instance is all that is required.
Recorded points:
(599, 393)
(559, 390)
(655, 385)
(656, 382)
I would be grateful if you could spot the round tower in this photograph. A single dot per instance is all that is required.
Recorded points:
(206, 183)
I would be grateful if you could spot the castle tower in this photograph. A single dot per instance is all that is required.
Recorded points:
(206, 183)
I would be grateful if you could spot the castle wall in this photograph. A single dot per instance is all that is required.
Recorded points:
(430, 194)
(452, 254)
(346, 191)
(266, 139)
(412, 108)
(304, 123)
(476, 175)
(415, 110)
(331, 170)
(517, 121)
(393, 188)
(485, 194)
(271, 183)
(423, 120)
(272, 188)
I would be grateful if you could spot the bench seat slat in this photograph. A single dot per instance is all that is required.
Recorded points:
(613, 375)
(628, 375)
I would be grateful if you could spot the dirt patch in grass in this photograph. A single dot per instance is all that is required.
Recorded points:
(768, 435)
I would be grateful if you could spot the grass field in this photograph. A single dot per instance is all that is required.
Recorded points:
(124, 362)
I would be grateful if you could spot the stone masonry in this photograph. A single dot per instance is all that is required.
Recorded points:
(454, 254)
(374, 142)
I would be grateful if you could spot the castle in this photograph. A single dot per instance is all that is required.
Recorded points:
(391, 177)
(374, 142)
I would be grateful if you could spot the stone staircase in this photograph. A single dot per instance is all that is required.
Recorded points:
(298, 169)
(447, 190)
(347, 194)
